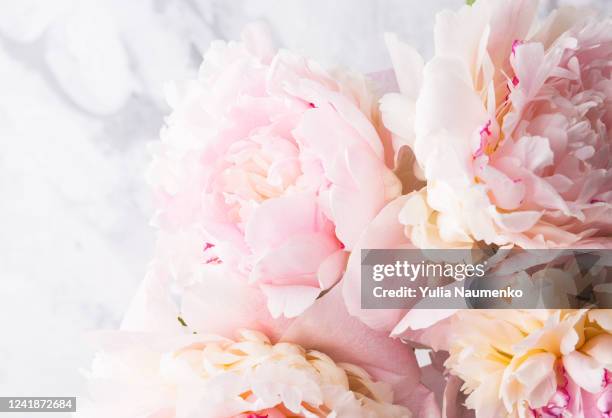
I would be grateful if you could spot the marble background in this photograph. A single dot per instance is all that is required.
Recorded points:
(81, 86)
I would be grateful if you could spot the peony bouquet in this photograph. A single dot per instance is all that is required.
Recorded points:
(273, 174)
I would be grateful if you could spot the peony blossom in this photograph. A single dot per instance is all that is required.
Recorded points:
(222, 303)
(532, 364)
(271, 165)
(142, 375)
(510, 124)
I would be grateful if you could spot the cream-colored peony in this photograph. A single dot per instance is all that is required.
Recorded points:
(532, 364)
(197, 376)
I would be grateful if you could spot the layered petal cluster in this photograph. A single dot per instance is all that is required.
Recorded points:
(272, 165)
(510, 124)
(189, 376)
(222, 303)
(532, 364)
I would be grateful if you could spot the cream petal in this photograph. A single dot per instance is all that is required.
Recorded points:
(600, 348)
(408, 65)
(398, 112)
(584, 370)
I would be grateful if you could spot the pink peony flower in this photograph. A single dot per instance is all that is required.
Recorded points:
(510, 126)
(273, 165)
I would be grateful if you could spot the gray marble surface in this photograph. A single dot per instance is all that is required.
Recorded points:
(80, 97)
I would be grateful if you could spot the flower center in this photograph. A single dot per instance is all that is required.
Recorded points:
(256, 169)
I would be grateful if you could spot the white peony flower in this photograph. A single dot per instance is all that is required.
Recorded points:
(193, 376)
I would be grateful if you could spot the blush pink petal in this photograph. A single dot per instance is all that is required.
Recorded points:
(332, 268)
(339, 111)
(289, 301)
(384, 358)
(367, 192)
(426, 326)
(383, 232)
(297, 260)
(223, 303)
(275, 220)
